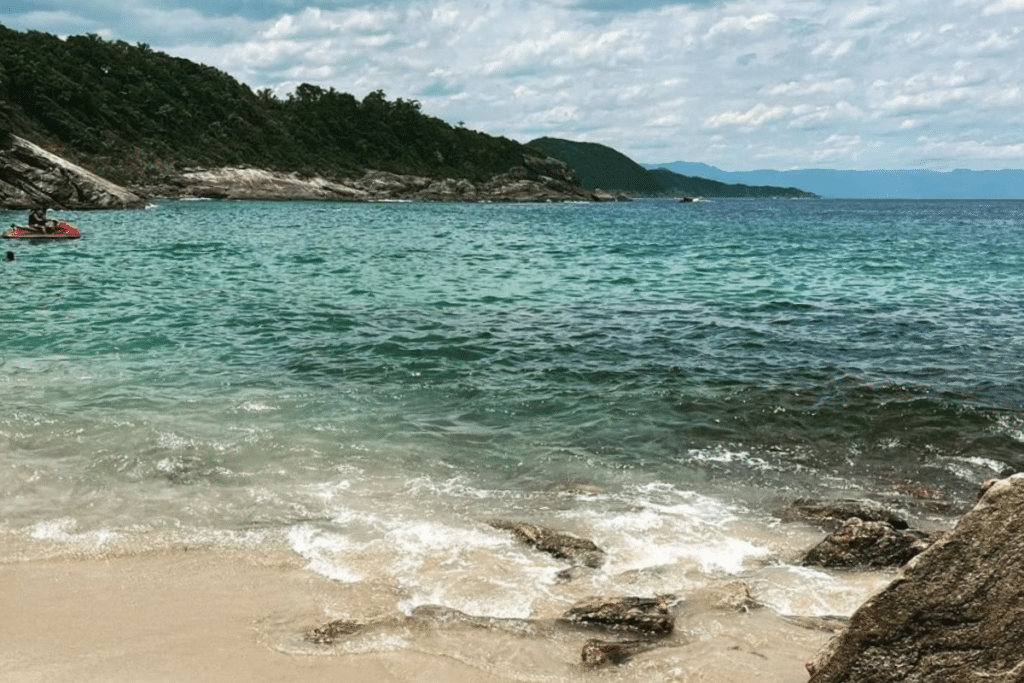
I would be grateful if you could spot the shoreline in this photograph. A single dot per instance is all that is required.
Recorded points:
(208, 616)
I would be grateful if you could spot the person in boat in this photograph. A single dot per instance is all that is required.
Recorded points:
(37, 220)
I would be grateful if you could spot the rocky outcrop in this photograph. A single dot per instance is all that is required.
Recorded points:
(866, 544)
(536, 180)
(954, 613)
(556, 543)
(30, 177)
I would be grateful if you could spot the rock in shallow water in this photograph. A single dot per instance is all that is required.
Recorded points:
(830, 514)
(604, 652)
(647, 615)
(559, 544)
(866, 544)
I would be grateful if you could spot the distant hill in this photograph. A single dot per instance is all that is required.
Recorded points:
(676, 184)
(601, 167)
(904, 184)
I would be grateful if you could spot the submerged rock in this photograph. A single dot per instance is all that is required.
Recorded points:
(954, 613)
(422, 618)
(559, 544)
(830, 514)
(866, 544)
(334, 631)
(733, 596)
(646, 615)
(598, 653)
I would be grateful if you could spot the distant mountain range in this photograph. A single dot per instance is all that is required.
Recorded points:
(602, 168)
(958, 184)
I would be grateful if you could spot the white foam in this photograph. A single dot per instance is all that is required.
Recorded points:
(323, 552)
(63, 530)
(790, 589)
(727, 456)
(1011, 426)
(254, 407)
(381, 642)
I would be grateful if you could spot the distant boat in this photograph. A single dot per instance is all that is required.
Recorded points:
(686, 199)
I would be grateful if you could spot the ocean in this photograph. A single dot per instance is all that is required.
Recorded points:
(363, 387)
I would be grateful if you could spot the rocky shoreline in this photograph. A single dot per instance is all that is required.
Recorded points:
(953, 612)
(536, 180)
(32, 176)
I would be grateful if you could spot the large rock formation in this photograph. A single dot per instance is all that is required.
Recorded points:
(954, 613)
(30, 176)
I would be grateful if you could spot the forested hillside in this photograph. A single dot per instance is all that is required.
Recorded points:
(600, 166)
(133, 114)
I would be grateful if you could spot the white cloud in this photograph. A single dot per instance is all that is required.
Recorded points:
(832, 49)
(725, 82)
(1004, 6)
(975, 148)
(755, 117)
(740, 24)
(810, 86)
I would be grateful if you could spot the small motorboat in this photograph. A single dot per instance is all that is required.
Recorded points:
(59, 231)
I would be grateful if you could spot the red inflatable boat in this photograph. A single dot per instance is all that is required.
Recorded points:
(63, 231)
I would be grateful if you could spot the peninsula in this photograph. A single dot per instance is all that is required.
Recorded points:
(91, 123)
(83, 109)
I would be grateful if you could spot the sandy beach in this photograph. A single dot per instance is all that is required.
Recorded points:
(186, 616)
(206, 616)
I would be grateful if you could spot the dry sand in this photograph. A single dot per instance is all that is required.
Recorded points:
(201, 616)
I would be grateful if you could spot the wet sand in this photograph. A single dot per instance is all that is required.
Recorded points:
(204, 616)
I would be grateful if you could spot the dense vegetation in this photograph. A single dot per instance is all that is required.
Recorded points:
(133, 115)
(602, 167)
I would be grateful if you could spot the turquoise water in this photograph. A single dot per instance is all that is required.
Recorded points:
(365, 384)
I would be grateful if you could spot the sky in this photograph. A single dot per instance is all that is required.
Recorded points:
(780, 84)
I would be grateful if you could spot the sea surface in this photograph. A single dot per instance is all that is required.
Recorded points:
(365, 386)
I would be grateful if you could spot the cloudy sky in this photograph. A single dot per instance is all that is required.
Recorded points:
(848, 84)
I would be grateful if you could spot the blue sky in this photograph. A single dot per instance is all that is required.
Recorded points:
(848, 84)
